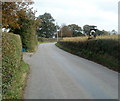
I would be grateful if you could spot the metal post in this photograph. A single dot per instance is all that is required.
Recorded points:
(61, 32)
(57, 36)
(57, 32)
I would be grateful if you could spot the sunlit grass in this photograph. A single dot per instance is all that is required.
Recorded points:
(115, 37)
(84, 38)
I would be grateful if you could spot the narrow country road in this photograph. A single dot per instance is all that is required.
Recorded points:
(56, 74)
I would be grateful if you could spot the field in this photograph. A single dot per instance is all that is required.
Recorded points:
(102, 49)
(84, 38)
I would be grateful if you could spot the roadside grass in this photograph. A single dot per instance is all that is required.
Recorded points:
(103, 50)
(45, 42)
(16, 89)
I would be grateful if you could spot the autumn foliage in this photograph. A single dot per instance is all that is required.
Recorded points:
(11, 12)
(20, 19)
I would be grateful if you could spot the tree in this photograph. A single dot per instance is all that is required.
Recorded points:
(98, 32)
(86, 29)
(11, 12)
(28, 29)
(76, 30)
(48, 27)
(90, 30)
(105, 32)
(114, 32)
(21, 20)
(65, 31)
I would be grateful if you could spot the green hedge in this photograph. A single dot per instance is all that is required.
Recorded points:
(103, 51)
(29, 41)
(41, 39)
(11, 59)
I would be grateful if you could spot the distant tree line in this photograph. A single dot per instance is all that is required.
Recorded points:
(20, 18)
(48, 28)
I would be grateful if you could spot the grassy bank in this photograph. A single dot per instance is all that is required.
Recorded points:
(102, 51)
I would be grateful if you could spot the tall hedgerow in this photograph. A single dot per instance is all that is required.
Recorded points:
(103, 51)
(11, 59)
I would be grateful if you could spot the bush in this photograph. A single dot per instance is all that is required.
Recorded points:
(103, 51)
(11, 59)
(41, 39)
(29, 38)
(28, 35)
(29, 41)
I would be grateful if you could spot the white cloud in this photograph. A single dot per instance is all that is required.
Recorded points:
(102, 13)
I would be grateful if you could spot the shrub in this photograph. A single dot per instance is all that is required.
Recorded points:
(102, 46)
(103, 51)
(41, 39)
(29, 38)
(27, 32)
(11, 59)
(29, 41)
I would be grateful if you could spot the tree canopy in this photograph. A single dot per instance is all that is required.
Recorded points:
(76, 30)
(20, 18)
(48, 27)
(86, 29)
(12, 11)
(65, 31)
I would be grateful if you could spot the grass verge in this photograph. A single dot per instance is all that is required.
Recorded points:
(102, 59)
(16, 89)
(45, 42)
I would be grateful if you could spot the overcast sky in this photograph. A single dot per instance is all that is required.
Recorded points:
(102, 13)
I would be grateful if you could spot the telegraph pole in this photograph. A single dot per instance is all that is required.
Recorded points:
(57, 36)
(57, 32)
(61, 32)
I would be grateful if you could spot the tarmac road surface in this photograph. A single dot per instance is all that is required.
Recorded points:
(56, 74)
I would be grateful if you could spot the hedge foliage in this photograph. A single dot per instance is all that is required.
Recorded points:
(27, 33)
(28, 37)
(41, 39)
(104, 51)
(11, 59)
(29, 41)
